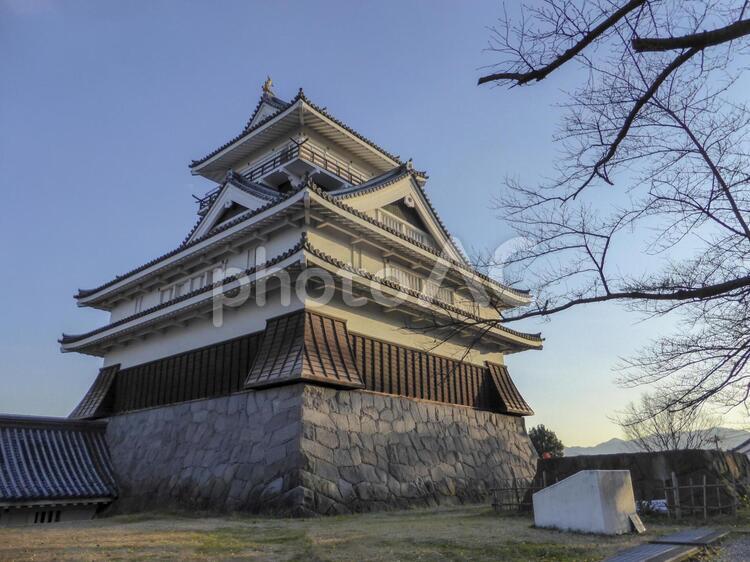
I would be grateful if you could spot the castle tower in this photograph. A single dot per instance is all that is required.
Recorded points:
(316, 344)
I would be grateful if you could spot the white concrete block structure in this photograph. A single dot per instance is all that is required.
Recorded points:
(590, 501)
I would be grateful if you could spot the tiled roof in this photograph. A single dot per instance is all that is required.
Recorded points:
(364, 216)
(323, 111)
(185, 244)
(251, 188)
(513, 402)
(273, 101)
(48, 459)
(743, 447)
(247, 130)
(300, 96)
(332, 198)
(98, 400)
(304, 346)
(72, 338)
(390, 177)
(421, 296)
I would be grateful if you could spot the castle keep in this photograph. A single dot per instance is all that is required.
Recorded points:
(317, 344)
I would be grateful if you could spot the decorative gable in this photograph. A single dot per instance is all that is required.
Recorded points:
(233, 198)
(399, 202)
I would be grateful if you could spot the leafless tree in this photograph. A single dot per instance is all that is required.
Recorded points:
(650, 201)
(653, 427)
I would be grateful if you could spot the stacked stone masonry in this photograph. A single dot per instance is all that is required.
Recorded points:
(309, 450)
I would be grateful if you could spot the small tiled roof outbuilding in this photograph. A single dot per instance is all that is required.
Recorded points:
(47, 460)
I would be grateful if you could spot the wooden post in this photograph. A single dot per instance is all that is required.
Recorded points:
(666, 499)
(544, 478)
(718, 498)
(705, 500)
(676, 495)
(692, 497)
(735, 494)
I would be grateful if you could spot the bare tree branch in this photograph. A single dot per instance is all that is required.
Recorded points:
(674, 131)
(695, 40)
(541, 73)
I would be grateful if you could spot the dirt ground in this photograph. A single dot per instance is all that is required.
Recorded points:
(465, 533)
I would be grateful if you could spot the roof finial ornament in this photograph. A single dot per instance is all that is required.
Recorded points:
(409, 164)
(268, 86)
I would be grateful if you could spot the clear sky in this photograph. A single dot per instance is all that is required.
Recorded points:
(104, 104)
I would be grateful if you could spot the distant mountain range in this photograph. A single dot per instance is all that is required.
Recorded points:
(729, 439)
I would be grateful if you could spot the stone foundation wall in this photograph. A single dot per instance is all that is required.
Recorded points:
(366, 451)
(234, 453)
(305, 450)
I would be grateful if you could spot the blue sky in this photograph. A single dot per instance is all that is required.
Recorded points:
(104, 104)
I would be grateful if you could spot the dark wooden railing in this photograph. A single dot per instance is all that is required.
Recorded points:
(312, 154)
(306, 151)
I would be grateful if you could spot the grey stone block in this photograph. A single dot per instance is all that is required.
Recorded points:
(304, 450)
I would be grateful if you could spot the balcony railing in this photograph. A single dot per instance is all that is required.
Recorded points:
(319, 157)
(403, 227)
(411, 280)
(314, 155)
(435, 291)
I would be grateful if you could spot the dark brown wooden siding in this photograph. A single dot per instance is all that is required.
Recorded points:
(223, 368)
(216, 370)
(393, 369)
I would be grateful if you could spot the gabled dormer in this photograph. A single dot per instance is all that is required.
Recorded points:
(268, 105)
(234, 196)
(397, 199)
(287, 142)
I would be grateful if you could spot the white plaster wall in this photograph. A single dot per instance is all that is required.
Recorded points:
(201, 332)
(372, 321)
(278, 242)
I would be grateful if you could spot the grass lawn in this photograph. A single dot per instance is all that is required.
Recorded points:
(461, 533)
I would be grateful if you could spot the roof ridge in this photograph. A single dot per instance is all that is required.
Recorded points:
(246, 131)
(185, 244)
(275, 101)
(72, 338)
(323, 111)
(389, 283)
(368, 218)
(383, 180)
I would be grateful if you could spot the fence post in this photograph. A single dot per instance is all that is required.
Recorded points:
(666, 499)
(676, 495)
(692, 497)
(735, 494)
(718, 499)
(544, 478)
(705, 500)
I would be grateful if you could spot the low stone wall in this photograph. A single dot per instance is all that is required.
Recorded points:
(366, 451)
(306, 450)
(234, 453)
